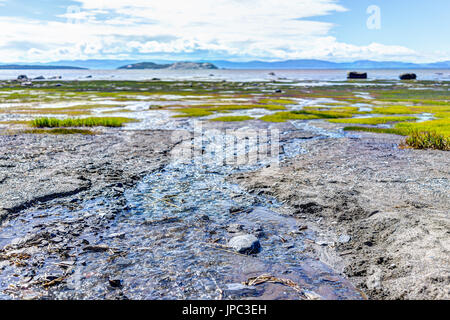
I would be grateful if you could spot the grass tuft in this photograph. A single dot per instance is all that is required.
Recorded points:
(373, 121)
(232, 118)
(428, 140)
(378, 130)
(80, 122)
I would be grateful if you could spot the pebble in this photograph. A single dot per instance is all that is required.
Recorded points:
(239, 289)
(246, 244)
(115, 283)
(235, 228)
(345, 238)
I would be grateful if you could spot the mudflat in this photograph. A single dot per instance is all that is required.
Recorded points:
(94, 204)
(381, 213)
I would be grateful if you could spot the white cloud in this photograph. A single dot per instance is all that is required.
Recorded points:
(238, 29)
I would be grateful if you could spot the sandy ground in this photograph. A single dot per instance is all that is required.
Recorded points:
(382, 213)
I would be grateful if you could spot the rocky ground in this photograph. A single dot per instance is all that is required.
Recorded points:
(381, 213)
(39, 168)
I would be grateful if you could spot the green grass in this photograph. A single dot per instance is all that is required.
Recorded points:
(284, 116)
(428, 140)
(277, 101)
(232, 118)
(308, 114)
(442, 115)
(80, 122)
(394, 110)
(440, 126)
(246, 107)
(61, 131)
(378, 130)
(410, 109)
(207, 110)
(349, 110)
(326, 114)
(373, 121)
(417, 139)
(192, 112)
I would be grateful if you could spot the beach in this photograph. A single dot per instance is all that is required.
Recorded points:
(117, 189)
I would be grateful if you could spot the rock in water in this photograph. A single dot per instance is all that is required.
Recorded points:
(357, 75)
(22, 78)
(115, 283)
(235, 228)
(246, 244)
(408, 76)
(238, 289)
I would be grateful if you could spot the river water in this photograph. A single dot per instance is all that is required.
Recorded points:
(218, 75)
(169, 240)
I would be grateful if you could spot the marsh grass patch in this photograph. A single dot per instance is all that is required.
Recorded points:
(374, 120)
(232, 119)
(80, 122)
(427, 140)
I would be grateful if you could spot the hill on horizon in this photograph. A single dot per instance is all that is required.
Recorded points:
(110, 64)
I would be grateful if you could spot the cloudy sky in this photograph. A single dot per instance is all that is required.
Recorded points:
(238, 30)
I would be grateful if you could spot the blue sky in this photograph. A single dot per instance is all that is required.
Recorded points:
(239, 30)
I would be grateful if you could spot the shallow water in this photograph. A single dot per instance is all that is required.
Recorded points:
(323, 76)
(169, 239)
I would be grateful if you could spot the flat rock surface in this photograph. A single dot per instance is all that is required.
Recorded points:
(392, 203)
(40, 168)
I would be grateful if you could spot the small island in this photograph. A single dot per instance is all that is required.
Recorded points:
(172, 66)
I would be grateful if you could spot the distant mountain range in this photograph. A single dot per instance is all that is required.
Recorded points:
(172, 66)
(223, 64)
(321, 64)
(36, 67)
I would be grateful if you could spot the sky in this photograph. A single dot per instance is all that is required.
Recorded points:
(235, 30)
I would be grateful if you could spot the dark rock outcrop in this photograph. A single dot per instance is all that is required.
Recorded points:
(357, 75)
(408, 76)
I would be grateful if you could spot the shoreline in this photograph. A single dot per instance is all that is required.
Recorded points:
(384, 226)
(377, 243)
(109, 215)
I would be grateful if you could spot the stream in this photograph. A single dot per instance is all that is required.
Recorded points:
(168, 239)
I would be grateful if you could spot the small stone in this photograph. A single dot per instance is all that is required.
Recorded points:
(345, 238)
(120, 235)
(235, 228)
(99, 248)
(115, 283)
(238, 289)
(288, 245)
(245, 244)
